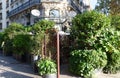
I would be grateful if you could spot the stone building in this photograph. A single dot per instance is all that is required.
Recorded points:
(4, 10)
(60, 11)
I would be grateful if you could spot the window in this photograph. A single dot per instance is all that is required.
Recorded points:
(0, 26)
(7, 14)
(54, 13)
(7, 3)
(0, 6)
(0, 16)
(12, 7)
(7, 24)
(11, 1)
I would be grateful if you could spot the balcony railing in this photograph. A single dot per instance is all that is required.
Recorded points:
(51, 0)
(24, 6)
(75, 6)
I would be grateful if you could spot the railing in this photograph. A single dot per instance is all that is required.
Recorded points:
(24, 6)
(75, 6)
(51, 0)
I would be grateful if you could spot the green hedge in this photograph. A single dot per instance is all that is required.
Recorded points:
(22, 43)
(93, 31)
(84, 62)
(86, 28)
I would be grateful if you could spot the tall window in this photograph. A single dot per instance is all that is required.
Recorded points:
(7, 12)
(7, 24)
(12, 1)
(0, 16)
(0, 6)
(0, 26)
(7, 3)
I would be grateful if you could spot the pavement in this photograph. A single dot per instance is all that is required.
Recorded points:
(11, 68)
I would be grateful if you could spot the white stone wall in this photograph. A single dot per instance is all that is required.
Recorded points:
(3, 11)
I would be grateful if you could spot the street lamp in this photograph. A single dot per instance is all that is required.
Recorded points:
(58, 50)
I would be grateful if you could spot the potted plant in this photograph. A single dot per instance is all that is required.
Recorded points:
(47, 68)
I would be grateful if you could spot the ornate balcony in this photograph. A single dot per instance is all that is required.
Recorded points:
(24, 6)
(51, 0)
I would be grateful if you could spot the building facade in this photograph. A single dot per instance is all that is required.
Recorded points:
(4, 10)
(56, 10)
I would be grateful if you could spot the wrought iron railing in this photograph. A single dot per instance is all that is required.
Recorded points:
(24, 6)
(75, 6)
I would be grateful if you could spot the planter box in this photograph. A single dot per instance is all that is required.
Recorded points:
(50, 75)
(34, 58)
(96, 72)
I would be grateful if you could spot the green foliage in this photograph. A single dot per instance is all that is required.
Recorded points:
(22, 43)
(115, 21)
(113, 64)
(9, 35)
(46, 66)
(103, 6)
(84, 62)
(13, 30)
(39, 29)
(109, 41)
(42, 26)
(37, 44)
(86, 28)
(1, 39)
(92, 31)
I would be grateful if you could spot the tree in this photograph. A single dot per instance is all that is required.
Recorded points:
(114, 7)
(108, 6)
(103, 6)
(86, 28)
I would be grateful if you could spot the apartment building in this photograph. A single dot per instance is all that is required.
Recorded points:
(4, 10)
(20, 10)
(56, 10)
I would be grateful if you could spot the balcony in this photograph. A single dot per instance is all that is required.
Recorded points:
(51, 0)
(24, 6)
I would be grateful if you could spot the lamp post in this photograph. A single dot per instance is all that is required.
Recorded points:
(58, 51)
(58, 56)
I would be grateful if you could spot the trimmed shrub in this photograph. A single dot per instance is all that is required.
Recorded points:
(86, 28)
(109, 42)
(84, 62)
(93, 31)
(46, 66)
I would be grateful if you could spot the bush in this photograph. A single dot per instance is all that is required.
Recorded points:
(92, 30)
(109, 42)
(22, 43)
(40, 33)
(46, 66)
(84, 62)
(113, 64)
(115, 21)
(9, 34)
(86, 28)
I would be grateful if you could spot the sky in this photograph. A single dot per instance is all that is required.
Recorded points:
(93, 3)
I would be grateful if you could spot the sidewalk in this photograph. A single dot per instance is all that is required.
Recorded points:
(10, 68)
